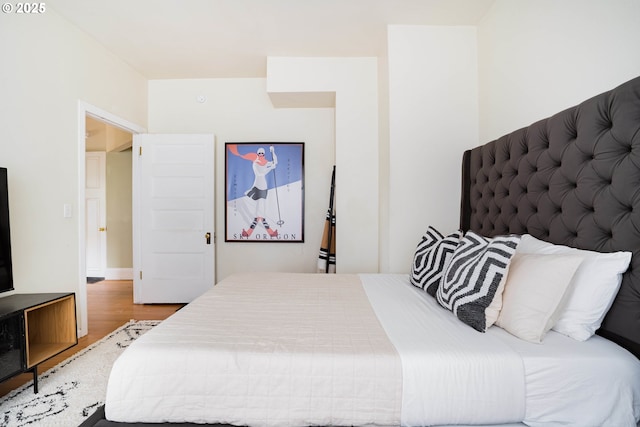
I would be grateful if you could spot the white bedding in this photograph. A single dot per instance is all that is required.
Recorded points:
(263, 350)
(451, 374)
(354, 356)
(594, 383)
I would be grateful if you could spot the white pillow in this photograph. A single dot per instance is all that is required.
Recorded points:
(535, 293)
(593, 289)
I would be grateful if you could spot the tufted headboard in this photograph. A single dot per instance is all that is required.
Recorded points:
(571, 179)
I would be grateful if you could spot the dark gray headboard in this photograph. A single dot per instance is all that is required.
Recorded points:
(571, 179)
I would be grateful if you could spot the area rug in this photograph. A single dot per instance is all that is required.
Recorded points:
(72, 390)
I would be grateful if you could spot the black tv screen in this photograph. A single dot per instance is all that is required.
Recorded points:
(6, 271)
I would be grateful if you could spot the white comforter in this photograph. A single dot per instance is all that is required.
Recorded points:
(296, 349)
(263, 350)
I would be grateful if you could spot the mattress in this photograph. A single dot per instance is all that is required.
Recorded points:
(283, 349)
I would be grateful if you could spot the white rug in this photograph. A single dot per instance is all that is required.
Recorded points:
(72, 390)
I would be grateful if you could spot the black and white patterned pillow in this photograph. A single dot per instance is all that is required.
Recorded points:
(431, 259)
(474, 280)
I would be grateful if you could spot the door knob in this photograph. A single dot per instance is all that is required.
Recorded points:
(207, 236)
(102, 229)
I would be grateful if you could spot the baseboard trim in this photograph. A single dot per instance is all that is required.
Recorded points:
(118, 274)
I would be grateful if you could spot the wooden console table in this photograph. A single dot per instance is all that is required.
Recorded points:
(34, 328)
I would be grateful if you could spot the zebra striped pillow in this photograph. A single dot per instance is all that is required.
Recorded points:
(474, 280)
(431, 259)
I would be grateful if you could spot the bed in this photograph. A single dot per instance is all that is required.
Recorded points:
(529, 314)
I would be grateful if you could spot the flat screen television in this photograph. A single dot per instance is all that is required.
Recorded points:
(6, 270)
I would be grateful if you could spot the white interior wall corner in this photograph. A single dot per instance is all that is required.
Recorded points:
(433, 118)
(355, 83)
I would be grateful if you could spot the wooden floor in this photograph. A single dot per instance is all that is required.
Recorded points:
(110, 305)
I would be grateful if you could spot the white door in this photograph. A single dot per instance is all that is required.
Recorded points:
(95, 213)
(173, 217)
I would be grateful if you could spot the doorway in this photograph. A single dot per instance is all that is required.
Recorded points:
(95, 214)
(119, 132)
(108, 206)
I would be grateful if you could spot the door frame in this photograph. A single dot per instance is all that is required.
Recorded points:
(85, 109)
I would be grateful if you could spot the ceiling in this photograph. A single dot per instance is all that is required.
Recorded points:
(101, 136)
(164, 39)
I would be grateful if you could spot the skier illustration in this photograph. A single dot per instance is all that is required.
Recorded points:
(258, 191)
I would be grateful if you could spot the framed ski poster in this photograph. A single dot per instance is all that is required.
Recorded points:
(264, 192)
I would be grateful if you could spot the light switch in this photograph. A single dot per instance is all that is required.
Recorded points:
(67, 210)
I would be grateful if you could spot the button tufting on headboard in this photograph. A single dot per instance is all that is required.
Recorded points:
(572, 179)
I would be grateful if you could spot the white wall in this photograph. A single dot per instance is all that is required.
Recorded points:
(119, 214)
(449, 92)
(433, 118)
(540, 57)
(47, 67)
(354, 82)
(239, 110)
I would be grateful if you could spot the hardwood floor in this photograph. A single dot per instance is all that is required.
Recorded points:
(110, 305)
